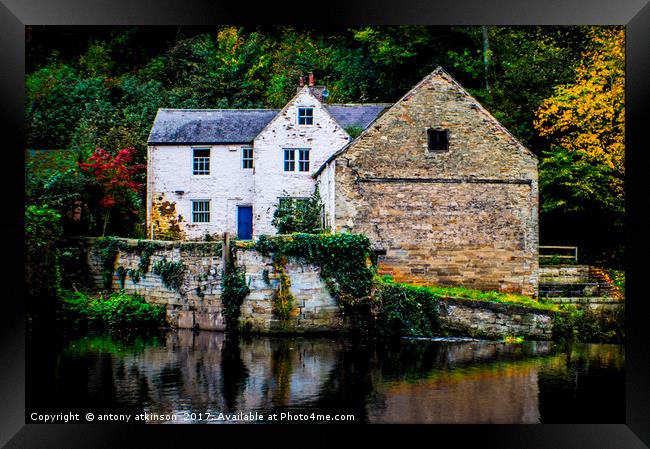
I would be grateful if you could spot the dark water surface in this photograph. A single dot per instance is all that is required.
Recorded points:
(195, 377)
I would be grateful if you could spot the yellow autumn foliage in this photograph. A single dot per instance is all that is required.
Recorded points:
(588, 116)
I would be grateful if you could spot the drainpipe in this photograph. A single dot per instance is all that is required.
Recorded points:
(149, 192)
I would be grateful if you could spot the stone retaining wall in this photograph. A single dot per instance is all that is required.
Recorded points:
(483, 319)
(188, 308)
(197, 303)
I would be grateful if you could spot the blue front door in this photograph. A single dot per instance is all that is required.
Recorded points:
(244, 222)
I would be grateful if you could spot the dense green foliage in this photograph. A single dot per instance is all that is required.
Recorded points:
(55, 178)
(618, 279)
(299, 215)
(584, 325)
(233, 291)
(107, 248)
(115, 310)
(405, 310)
(42, 254)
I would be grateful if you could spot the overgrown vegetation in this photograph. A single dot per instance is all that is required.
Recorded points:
(109, 311)
(108, 248)
(554, 260)
(299, 215)
(171, 273)
(344, 260)
(482, 295)
(618, 279)
(233, 291)
(585, 325)
(283, 299)
(146, 250)
(354, 131)
(42, 264)
(400, 310)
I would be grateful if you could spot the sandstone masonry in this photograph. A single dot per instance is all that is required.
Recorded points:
(465, 216)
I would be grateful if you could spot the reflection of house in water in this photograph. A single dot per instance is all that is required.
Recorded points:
(414, 382)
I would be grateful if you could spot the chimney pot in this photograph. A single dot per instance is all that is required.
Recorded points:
(301, 83)
(311, 79)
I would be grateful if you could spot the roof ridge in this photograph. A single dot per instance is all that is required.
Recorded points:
(227, 109)
(359, 104)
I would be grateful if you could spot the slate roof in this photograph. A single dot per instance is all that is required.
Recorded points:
(358, 115)
(214, 126)
(203, 126)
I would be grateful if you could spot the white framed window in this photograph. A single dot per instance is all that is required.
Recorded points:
(303, 160)
(247, 158)
(200, 211)
(299, 154)
(200, 161)
(305, 116)
(289, 160)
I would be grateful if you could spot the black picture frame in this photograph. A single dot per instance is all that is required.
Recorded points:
(634, 14)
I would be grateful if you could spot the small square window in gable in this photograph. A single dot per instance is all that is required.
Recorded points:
(437, 140)
(305, 116)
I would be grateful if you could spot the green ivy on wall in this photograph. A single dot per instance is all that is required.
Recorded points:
(171, 273)
(345, 263)
(233, 291)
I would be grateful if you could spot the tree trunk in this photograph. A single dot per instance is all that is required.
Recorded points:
(106, 216)
(486, 59)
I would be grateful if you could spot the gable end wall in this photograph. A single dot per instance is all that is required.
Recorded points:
(464, 217)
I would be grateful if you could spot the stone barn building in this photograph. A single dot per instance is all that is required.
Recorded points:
(445, 193)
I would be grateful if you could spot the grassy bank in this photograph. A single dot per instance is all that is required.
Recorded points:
(480, 295)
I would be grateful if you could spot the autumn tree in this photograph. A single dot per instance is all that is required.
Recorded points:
(115, 176)
(588, 116)
(584, 121)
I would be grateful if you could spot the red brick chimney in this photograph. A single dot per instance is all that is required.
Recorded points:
(311, 79)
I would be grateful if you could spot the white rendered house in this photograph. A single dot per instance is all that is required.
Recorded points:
(211, 171)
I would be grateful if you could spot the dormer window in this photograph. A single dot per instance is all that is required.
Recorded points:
(305, 116)
(437, 140)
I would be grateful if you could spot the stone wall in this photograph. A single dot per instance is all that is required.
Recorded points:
(464, 216)
(197, 303)
(564, 274)
(606, 307)
(494, 320)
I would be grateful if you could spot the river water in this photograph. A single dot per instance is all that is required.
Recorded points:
(182, 376)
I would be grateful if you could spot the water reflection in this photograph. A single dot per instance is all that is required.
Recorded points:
(408, 381)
